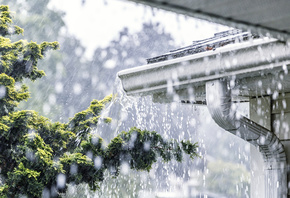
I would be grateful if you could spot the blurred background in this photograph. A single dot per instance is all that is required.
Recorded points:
(97, 39)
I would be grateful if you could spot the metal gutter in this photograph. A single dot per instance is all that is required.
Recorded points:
(219, 40)
(267, 56)
(219, 103)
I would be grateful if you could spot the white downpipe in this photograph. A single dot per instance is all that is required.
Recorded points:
(218, 97)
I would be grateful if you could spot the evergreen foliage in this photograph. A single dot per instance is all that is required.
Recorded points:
(40, 156)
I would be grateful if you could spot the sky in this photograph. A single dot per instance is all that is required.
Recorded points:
(97, 22)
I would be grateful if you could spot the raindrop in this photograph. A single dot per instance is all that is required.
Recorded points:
(11, 30)
(77, 88)
(262, 140)
(235, 61)
(192, 122)
(89, 154)
(227, 64)
(169, 87)
(58, 87)
(74, 169)
(238, 115)
(275, 95)
(46, 108)
(31, 131)
(279, 86)
(147, 146)
(281, 76)
(61, 180)
(284, 104)
(276, 125)
(285, 68)
(285, 126)
(176, 98)
(259, 111)
(261, 121)
(59, 69)
(98, 162)
(232, 83)
(95, 140)
(132, 140)
(18, 86)
(273, 55)
(2, 91)
(125, 168)
(110, 64)
(30, 155)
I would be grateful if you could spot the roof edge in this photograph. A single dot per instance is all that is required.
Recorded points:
(261, 30)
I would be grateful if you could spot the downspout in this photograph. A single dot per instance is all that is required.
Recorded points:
(218, 97)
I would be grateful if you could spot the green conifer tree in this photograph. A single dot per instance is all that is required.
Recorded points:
(40, 157)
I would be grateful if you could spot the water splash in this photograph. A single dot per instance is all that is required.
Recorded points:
(172, 120)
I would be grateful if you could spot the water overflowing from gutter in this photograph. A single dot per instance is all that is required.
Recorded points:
(166, 119)
(180, 121)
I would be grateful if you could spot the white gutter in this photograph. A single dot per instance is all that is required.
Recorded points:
(232, 60)
(219, 103)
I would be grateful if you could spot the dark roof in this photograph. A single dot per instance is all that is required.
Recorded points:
(266, 17)
(218, 40)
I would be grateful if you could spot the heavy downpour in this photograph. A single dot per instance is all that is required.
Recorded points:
(144, 99)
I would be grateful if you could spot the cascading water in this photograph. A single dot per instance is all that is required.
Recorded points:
(119, 110)
(192, 178)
